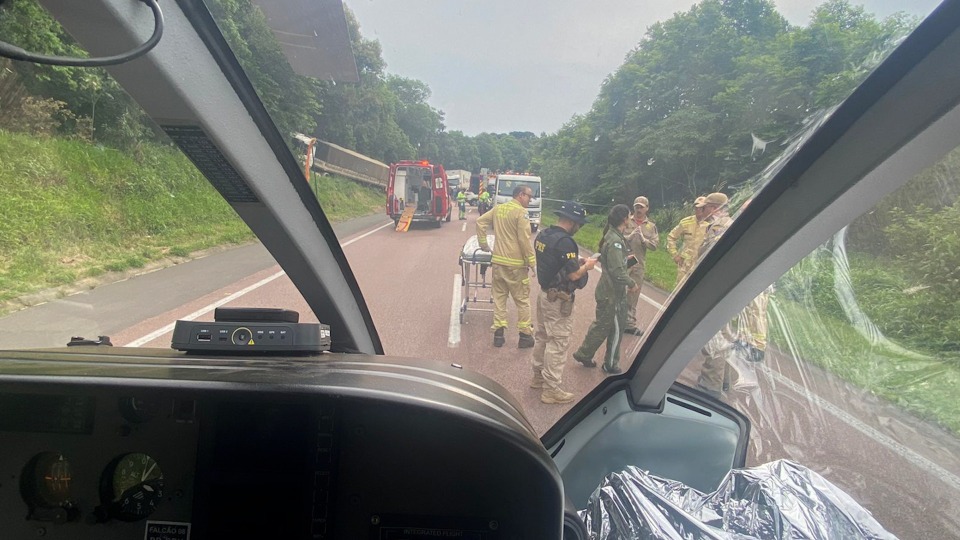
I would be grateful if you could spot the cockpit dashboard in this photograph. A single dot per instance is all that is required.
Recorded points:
(102, 442)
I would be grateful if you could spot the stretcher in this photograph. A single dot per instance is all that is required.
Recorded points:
(475, 275)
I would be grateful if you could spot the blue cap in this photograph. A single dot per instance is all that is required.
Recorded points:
(572, 211)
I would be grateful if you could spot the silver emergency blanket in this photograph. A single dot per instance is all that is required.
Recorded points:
(779, 500)
(472, 253)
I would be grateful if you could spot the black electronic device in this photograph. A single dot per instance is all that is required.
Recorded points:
(252, 331)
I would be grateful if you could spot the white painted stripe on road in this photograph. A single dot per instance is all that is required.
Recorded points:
(916, 459)
(366, 234)
(206, 309)
(464, 228)
(644, 297)
(453, 339)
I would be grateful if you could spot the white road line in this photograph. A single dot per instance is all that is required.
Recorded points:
(464, 228)
(454, 336)
(644, 297)
(366, 234)
(206, 309)
(892, 445)
(916, 459)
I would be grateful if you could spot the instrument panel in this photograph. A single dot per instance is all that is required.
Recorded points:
(164, 446)
(73, 461)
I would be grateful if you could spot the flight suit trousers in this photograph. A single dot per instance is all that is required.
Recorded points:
(514, 282)
(554, 326)
(633, 298)
(611, 315)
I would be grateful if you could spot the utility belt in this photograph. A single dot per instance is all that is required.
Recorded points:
(556, 294)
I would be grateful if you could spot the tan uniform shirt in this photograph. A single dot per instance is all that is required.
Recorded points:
(713, 228)
(641, 237)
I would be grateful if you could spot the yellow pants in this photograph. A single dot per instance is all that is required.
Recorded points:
(514, 282)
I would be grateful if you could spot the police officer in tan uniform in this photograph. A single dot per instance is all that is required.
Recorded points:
(642, 235)
(512, 260)
(683, 242)
(560, 272)
(752, 327)
(715, 373)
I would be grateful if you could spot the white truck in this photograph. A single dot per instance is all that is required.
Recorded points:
(506, 183)
(459, 179)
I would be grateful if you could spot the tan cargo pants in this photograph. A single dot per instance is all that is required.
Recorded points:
(514, 282)
(554, 326)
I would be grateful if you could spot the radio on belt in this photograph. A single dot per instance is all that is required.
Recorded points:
(252, 331)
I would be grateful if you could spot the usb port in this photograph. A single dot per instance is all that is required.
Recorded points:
(204, 336)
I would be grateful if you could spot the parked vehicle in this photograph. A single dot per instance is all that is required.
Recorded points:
(421, 186)
(503, 192)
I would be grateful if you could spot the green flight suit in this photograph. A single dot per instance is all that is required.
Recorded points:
(611, 296)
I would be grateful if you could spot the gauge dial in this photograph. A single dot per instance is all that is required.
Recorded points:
(132, 487)
(47, 480)
(138, 410)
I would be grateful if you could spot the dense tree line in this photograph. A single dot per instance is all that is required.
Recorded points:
(707, 97)
(385, 116)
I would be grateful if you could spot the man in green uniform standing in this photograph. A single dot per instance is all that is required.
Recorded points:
(611, 294)
(641, 235)
(560, 273)
(513, 258)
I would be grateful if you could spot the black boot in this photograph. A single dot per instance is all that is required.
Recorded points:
(498, 339)
(526, 341)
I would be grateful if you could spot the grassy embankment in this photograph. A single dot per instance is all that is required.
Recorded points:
(73, 211)
(923, 384)
(661, 270)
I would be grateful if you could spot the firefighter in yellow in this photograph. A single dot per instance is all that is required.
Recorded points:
(462, 203)
(689, 234)
(641, 235)
(513, 259)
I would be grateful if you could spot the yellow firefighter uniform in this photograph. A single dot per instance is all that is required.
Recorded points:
(689, 234)
(512, 256)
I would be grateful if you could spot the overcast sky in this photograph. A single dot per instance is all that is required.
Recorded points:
(527, 65)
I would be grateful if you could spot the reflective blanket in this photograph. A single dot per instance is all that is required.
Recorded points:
(779, 500)
(472, 253)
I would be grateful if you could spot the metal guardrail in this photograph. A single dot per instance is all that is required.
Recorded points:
(323, 166)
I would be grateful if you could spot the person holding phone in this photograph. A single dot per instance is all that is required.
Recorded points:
(561, 273)
(611, 294)
(642, 236)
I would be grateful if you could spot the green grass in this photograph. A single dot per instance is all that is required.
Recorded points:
(72, 210)
(661, 270)
(923, 385)
(343, 199)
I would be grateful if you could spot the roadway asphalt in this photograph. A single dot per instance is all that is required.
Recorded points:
(905, 472)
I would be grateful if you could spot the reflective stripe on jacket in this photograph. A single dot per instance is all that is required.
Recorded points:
(511, 228)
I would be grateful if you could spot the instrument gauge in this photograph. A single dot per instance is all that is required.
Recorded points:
(131, 487)
(139, 410)
(47, 480)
